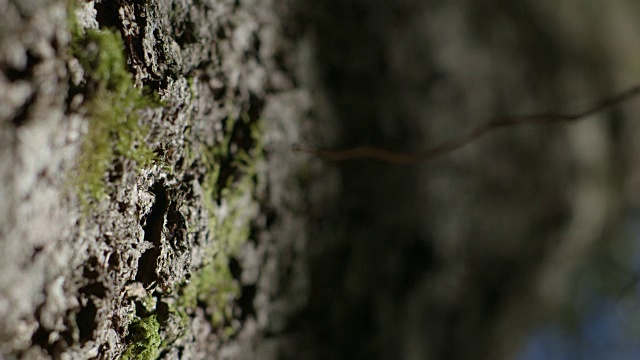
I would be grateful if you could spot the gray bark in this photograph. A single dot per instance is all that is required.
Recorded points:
(456, 259)
(75, 280)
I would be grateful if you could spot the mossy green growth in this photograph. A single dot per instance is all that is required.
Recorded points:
(229, 222)
(111, 103)
(215, 287)
(214, 284)
(143, 339)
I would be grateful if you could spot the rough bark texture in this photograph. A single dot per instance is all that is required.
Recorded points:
(186, 228)
(165, 257)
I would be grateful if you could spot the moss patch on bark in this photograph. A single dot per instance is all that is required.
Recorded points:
(110, 102)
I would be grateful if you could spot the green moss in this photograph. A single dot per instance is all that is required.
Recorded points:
(231, 209)
(110, 103)
(143, 339)
(73, 25)
(215, 287)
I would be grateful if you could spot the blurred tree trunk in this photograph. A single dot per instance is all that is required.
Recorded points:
(226, 244)
(460, 258)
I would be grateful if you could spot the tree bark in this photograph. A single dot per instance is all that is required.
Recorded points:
(141, 231)
(151, 206)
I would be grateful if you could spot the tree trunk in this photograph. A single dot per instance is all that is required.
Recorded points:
(151, 206)
(136, 191)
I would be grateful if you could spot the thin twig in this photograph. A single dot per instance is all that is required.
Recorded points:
(408, 158)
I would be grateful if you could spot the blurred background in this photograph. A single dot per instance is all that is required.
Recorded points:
(524, 244)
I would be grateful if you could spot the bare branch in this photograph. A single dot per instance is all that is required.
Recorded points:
(408, 158)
